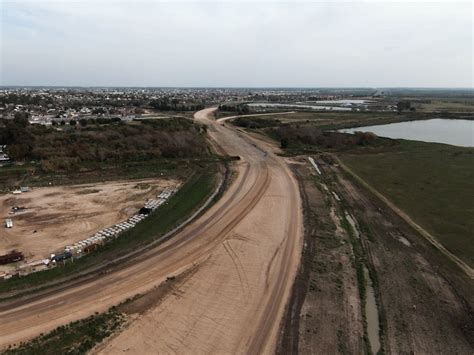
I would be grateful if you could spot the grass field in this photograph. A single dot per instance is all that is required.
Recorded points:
(181, 205)
(433, 183)
(460, 105)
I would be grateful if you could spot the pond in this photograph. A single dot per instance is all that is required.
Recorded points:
(437, 130)
(300, 106)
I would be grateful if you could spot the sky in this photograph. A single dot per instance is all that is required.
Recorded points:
(236, 44)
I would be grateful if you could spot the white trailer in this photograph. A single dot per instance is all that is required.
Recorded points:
(8, 223)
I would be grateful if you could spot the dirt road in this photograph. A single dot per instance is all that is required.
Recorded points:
(246, 249)
(223, 119)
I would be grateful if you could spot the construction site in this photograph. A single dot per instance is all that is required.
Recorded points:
(46, 225)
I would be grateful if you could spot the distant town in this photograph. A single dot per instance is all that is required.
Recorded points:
(58, 106)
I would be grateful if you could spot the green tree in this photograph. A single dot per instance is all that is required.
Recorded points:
(21, 119)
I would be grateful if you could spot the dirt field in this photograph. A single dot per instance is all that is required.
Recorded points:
(59, 216)
(324, 316)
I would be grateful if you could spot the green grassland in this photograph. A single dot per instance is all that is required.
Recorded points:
(433, 183)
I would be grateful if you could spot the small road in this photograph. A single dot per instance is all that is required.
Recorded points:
(245, 250)
(223, 119)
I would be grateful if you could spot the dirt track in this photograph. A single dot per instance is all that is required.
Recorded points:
(247, 249)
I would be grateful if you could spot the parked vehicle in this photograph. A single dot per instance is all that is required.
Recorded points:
(11, 257)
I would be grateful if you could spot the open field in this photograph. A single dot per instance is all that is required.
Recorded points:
(423, 301)
(453, 105)
(324, 314)
(432, 183)
(60, 216)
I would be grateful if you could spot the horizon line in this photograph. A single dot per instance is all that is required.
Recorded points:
(243, 87)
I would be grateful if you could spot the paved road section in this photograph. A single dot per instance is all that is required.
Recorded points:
(245, 250)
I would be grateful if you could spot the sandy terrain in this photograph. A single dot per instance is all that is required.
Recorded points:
(59, 216)
(244, 251)
(233, 303)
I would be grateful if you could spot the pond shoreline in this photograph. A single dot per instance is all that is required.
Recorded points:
(457, 132)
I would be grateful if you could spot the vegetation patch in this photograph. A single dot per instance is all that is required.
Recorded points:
(256, 122)
(431, 182)
(72, 148)
(303, 139)
(75, 338)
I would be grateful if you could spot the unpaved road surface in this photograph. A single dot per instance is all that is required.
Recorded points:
(62, 215)
(223, 119)
(245, 250)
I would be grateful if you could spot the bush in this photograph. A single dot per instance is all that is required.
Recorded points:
(256, 122)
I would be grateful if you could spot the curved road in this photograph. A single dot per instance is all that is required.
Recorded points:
(245, 252)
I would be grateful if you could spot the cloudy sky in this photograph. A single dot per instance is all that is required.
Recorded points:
(255, 44)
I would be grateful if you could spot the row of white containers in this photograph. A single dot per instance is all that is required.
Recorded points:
(113, 232)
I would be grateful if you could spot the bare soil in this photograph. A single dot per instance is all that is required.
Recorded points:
(426, 300)
(60, 216)
(247, 246)
(324, 315)
(235, 300)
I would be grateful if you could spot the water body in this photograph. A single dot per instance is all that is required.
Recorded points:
(437, 130)
(371, 314)
(343, 102)
(311, 107)
(370, 303)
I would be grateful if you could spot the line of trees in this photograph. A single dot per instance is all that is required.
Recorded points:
(70, 149)
(166, 104)
(312, 136)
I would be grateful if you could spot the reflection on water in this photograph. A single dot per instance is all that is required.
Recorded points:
(371, 314)
(438, 130)
(301, 106)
